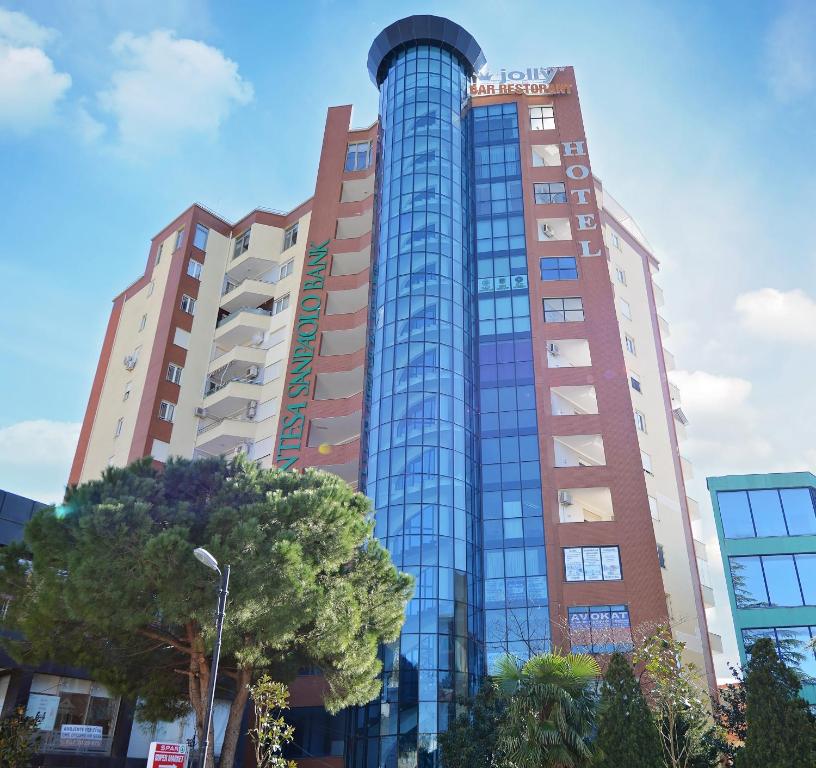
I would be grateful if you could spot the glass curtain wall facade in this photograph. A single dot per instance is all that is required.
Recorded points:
(515, 587)
(421, 460)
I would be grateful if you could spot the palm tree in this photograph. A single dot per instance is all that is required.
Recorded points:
(550, 709)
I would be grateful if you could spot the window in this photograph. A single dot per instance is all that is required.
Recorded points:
(179, 239)
(545, 194)
(142, 323)
(174, 373)
(126, 393)
(794, 645)
(150, 286)
(620, 275)
(290, 236)
(625, 309)
(630, 344)
(166, 410)
(560, 268)
(773, 512)
(592, 564)
(158, 254)
(599, 629)
(634, 380)
(661, 556)
(358, 156)
(563, 310)
(118, 430)
(615, 240)
(640, 421)
(287, 269)
(763, 581)
(194, 269)
(278, 305)
(201, 235)
(653, 508)
(646, 460)
(542, 118)
(241, 244)
(188, 304)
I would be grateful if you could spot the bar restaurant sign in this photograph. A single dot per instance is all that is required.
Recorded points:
(534, 80)
(299, 375)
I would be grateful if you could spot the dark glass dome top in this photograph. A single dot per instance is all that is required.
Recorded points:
(413, 30)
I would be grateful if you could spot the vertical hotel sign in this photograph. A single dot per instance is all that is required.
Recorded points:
(299, 374)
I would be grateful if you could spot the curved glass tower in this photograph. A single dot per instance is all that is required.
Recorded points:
(421, 458)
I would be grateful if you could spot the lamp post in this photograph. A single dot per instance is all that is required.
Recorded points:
(207, 559)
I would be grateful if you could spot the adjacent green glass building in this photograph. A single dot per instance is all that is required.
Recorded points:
(766, 525)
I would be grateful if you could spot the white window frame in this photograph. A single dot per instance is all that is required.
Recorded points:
(241, 243)
(654, 510)
(179, 239)
(188, 304)
(198, 230)
(166, 411)
(194, 269)
(174, 373)
(640, 421)
(158, 255)
(120, 422)
(646, 461)
(564, 309)
(280, 304)
(615, 240)
(127, 391)
(633, 378)
(620, 275)
(629, 343)
(142, 323)
(150, 286)
(625, 308)
(290, 235)
(287, 268)
(538, 112)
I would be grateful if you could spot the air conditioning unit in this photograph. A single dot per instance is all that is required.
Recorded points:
(201, 413)
(552, 349)
(547, 231)
(130, 362)
(252, 372)
(564, 498)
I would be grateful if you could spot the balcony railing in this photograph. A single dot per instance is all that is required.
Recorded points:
(233, 315)
(212, 387)
(231, 287)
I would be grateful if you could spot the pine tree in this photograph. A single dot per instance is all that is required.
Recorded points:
(627, 735)
(781, 731)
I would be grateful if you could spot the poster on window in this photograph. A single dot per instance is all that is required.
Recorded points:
(45, 708)
(494, 592)
(537, 590)
(592, 564)
(573, 564)
(610, 560)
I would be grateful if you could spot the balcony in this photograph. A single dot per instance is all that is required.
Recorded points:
(554, 229)
(343, 342)
(248, 293)
(351, 263)
(220, 437)
(244, 356)
(335, 430)
(354, 226)
(585, 505)
(231, 399)
(350, 471)
(262, 255)
(579, 451)
(568, 353)
(573, 401)
(693, 509)
(354, 190)
(339, 385)
(244, 328)
(347, 302)
(716, 642)
(546, 155)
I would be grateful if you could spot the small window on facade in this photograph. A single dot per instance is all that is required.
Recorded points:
(545, 194)
(620, 275)
(280, 304)
(615, 240)
(661, 556)
(142, 323)
(174, 373)
(126, 393)
(241, 244)
(563, 310)
(630, 345)
(558, 268)
(634, 380)
(625, 308)
(194, 269)
(158, 254)
(646, 460)
(188, 304)
(119, 424)
(640, 421)
(166, 410)
(592, 564)
(286, 269)
(150, 286)
(358, 156)
(653, 509)
(290, 236)
(201, 235)
(542, 118)
(179, 239)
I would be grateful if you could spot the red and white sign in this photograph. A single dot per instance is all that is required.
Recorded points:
(167, 755)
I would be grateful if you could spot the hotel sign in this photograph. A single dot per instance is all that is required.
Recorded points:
(299, 372)
(533, 80)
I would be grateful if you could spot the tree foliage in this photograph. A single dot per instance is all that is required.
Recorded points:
(780, 729)
(113, 585)
(18, 734)
(550, 702)
(729, 713)
(472, 739)
(627, 734)
(270, 732)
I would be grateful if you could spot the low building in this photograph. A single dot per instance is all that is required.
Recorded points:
(766, 525)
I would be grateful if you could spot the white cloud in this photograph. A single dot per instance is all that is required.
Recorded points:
(790, 56)
(35, 457)
(87, 127)
(30, 86)
(778, 315)
(168, 88)
(706, 393)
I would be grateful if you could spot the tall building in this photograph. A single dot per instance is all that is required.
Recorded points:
(766, 525)
(461, 321)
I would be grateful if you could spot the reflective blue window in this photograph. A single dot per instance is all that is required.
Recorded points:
(749, 582)
(774, 580)
(558, 268)
(793, 645)
(735, 514)
(772, 512)
(766, 508)
(800, 510)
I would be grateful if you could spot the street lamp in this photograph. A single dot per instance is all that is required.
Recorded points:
(207, 559)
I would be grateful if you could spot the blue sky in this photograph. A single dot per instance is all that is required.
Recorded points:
(115, 116)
